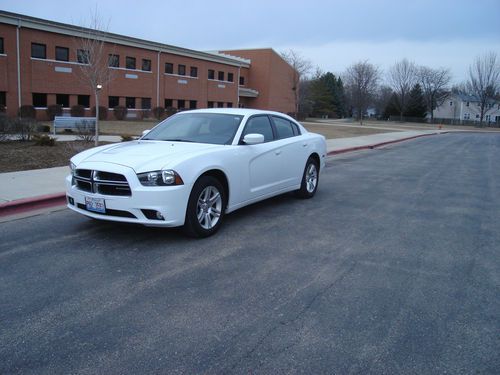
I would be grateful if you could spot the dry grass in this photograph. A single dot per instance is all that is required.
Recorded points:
(332, 131)
(22, 156)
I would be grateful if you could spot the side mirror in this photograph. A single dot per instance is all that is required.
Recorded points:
(253, 139)
(145, 132)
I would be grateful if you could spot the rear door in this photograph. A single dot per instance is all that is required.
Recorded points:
(294, 151)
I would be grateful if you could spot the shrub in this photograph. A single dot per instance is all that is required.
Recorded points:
(120, 112)
(27, 111)
(44, 140)
(43, 128)
(77, 111)
(103, 112)
(127, 138)
(169, 111)
(158, 112)
(5, 127)
(54, 110)
(23, 128)
(86, 131)
(146, 113)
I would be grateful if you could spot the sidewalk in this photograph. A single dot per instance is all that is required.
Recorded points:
(27, 190)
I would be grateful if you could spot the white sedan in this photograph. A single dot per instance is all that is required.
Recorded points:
(195, 167)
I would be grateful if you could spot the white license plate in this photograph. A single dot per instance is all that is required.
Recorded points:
(95, 204)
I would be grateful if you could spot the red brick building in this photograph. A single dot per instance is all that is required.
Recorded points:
(40, 65)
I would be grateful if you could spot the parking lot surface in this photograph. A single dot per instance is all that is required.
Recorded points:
(392, 268)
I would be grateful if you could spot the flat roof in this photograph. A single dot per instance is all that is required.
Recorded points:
(21, 20)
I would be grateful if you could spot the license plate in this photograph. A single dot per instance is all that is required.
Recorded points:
(95, 204)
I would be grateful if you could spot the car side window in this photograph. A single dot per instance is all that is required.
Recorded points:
(284, 128)
(259, 125)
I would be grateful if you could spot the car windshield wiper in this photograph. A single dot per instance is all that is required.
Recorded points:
(177, 140)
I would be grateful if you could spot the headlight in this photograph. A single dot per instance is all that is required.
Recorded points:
(160, 178)
(72, 166)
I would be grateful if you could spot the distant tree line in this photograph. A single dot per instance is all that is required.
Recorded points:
(406, 90)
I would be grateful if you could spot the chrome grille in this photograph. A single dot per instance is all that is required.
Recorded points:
(101, 182)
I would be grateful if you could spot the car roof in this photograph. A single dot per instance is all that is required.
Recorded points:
(235, 111)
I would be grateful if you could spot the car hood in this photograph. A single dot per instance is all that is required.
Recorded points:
(143, 156)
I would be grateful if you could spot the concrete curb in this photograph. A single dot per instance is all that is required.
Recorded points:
(375, 145)
(29, 204)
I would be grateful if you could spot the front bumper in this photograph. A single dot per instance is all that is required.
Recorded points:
(140, 207)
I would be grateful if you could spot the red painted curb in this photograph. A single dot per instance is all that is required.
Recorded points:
(29, 204)
(369, 147)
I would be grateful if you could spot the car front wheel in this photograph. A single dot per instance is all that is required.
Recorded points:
(310, 179)
(206, 207)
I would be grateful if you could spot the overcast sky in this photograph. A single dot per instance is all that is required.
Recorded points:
(332, 34)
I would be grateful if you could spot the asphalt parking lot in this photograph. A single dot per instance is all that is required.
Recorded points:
(392, 268)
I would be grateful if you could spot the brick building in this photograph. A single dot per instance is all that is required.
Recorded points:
(40, 65)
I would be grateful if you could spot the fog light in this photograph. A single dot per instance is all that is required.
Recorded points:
(71, 201)
(159, 216)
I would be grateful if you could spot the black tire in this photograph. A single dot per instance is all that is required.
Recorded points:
(206, 206)
(310, 180)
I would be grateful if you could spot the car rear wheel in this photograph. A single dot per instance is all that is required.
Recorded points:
(206, 207)
(310, 180)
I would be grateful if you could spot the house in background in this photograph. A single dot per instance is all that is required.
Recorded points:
(465, 109)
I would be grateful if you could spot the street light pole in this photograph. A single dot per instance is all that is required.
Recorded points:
(97, 89)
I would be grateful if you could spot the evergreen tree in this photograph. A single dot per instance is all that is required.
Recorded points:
(416, 103)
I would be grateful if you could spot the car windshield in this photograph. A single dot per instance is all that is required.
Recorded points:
(214, 128)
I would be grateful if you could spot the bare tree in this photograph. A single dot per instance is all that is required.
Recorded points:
(484, 81)
(402, 78)
(434, 83)
(361, 83)
(94, 59)
(301, 68)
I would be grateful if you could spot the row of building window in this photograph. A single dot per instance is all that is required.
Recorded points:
(489, 105)
(40, 100)
(39, 51)
(1, 46)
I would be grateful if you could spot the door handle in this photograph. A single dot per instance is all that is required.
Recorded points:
(278, 152)
(304, 144)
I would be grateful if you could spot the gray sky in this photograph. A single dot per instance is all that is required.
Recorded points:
(332, 34)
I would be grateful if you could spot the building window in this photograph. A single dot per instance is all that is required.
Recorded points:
(488, 118)
(62, 54)
(229, 105)
(230, 77)
(130, 102)
(62, 100)
(192, 104)
(220, 104)
(82, 56)
(113, 101)
(38, 51)
(242, 81)
(146, 103)
(114, 61)
(169, 103)
(194, 71)
(477, 116)
(211, 74)
(146, 65)
(467, 104)
(84, 100)
(3, 99)
(181, 70)
(210, 104)
(169, 68)
(39, 100)
(130, 62)
(1, 46)
(220, 76)
(181, 104)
